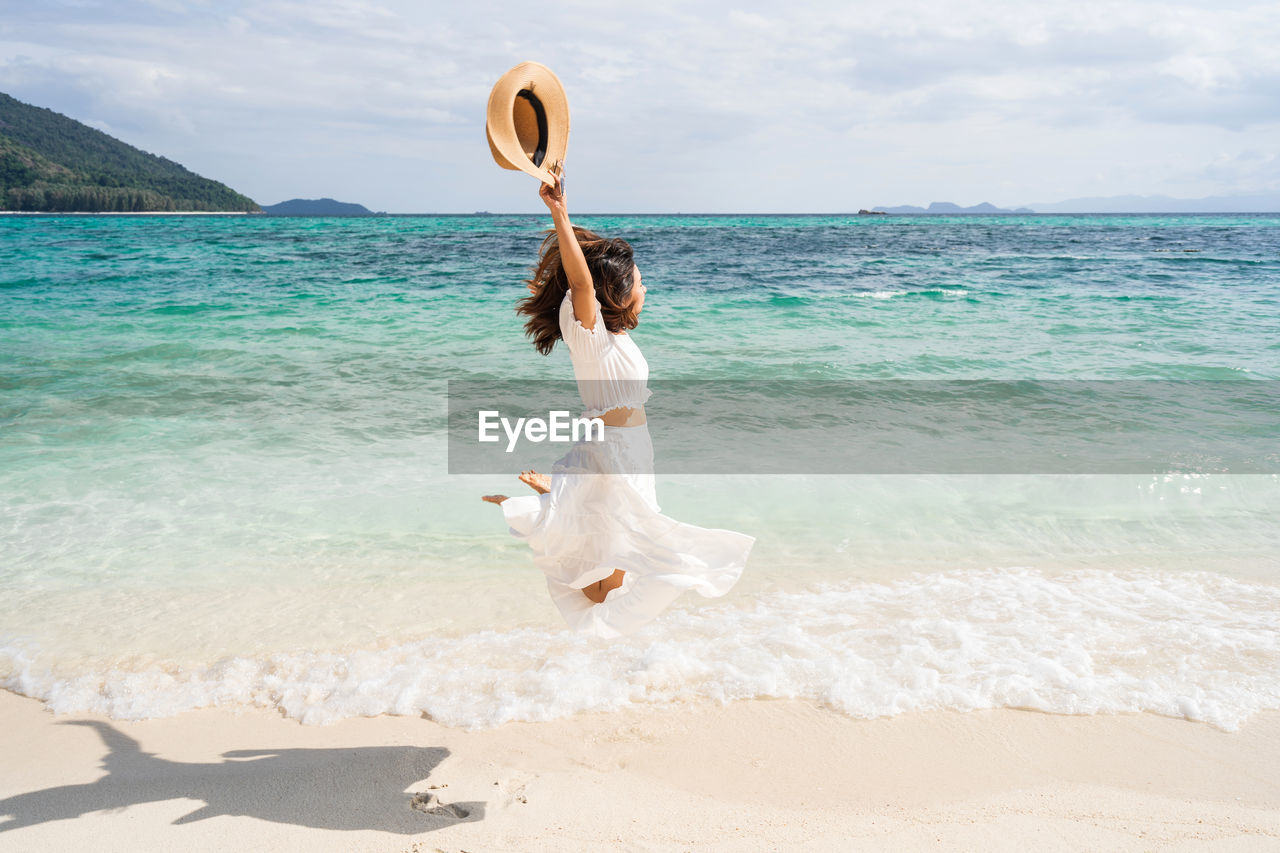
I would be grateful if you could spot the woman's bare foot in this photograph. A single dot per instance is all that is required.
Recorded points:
(540, 483)
(493, 499)
(598, 590)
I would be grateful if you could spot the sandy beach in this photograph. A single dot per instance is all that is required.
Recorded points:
(758, 775)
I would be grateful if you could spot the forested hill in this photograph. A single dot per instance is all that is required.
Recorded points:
(49, 162)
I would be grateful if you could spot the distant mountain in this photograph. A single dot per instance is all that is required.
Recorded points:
(1256, 203)
(316, 207)
(948, 207)
(49, 162)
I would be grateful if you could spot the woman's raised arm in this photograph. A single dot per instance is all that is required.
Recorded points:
(581, 286)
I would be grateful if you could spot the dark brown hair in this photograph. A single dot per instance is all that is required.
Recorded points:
(612, 265)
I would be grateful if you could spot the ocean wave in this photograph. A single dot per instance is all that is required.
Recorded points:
(890, 294)
(1195, 645)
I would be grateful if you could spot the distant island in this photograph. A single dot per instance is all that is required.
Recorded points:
(944, 207)
(51, 163)
(316, 207)
(1248, 203)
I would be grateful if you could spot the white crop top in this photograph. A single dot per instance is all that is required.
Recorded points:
(610, 369)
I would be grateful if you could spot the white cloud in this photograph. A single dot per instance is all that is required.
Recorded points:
(713, 106)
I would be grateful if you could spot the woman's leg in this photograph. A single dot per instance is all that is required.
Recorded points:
(541, 484)
(598, 590)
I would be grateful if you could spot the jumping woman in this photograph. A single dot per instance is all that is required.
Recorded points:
(613, 562)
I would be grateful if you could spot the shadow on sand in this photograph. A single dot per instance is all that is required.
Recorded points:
(342, 789)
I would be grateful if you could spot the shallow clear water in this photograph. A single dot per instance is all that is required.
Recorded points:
(223, 469)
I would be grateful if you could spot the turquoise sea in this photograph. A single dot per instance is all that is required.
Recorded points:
(223, 472)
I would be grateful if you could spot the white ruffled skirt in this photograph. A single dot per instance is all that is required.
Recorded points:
(602, 514)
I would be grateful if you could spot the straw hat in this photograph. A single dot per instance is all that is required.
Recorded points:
(528, 121)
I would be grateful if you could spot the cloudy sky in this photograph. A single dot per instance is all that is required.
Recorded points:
(677, 106)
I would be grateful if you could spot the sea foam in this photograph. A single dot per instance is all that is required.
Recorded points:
(1195, 645)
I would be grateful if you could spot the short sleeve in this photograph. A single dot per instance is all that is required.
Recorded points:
(575, 334)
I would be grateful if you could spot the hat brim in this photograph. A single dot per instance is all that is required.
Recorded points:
(539, 88)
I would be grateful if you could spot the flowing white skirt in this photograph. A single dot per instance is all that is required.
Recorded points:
(602, 514)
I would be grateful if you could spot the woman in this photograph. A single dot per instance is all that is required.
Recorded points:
(613, 562)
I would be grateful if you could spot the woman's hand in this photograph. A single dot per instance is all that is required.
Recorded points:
(553, 197)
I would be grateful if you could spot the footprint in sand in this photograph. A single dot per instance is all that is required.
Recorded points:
(429, 803)
(513, 788)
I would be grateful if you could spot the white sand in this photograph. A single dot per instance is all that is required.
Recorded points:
(749, 776)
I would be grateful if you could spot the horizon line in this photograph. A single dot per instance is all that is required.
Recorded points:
(479, 213)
